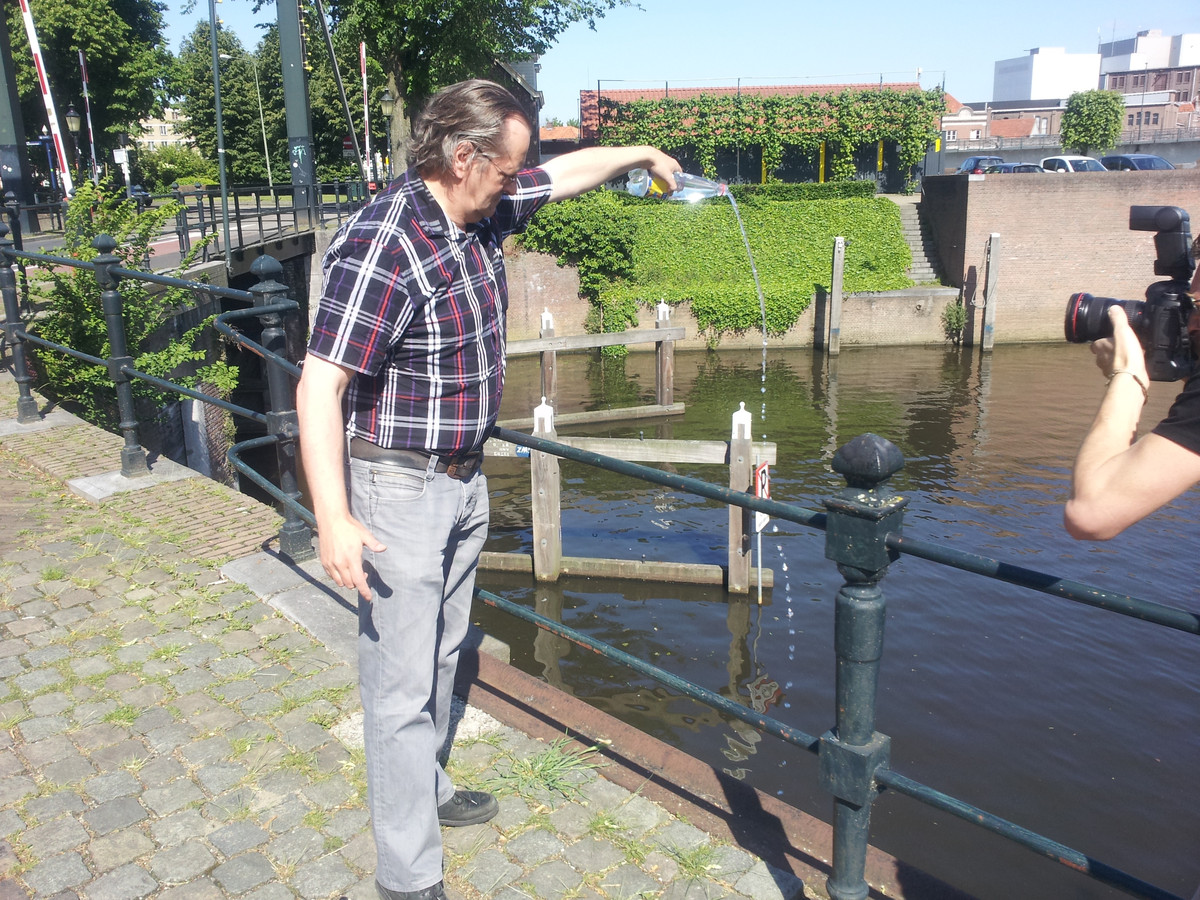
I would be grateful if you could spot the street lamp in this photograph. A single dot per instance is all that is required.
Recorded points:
(73, 122)
(216, 64)
(387, 105)
(261, 121)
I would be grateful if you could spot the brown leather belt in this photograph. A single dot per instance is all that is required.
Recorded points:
(462, 466)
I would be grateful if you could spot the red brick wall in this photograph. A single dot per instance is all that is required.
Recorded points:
(1058, 234)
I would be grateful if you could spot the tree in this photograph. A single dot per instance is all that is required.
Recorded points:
(164, 166)
(127, 61)
(1091, 121)
(426, 44)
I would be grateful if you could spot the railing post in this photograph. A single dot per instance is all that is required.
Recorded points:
(295, 537)
(547, 503)
(12, 208)
(133, 457)
(664, 355)
(549, 360)
(200, 189)
(181, 223)
(27, 409)
(859, 519)
(741, 463)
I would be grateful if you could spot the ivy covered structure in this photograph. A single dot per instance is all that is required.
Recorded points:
(790, 133)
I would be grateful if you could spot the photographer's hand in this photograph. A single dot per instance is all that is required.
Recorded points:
(1122, 352)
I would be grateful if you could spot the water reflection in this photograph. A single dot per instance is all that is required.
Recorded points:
(1069, 720)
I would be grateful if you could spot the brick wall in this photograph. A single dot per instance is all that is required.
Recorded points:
(1058, 234)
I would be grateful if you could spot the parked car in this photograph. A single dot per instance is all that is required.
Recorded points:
(974, 165)
(1130, 162)
(1017, 168)
(1072, 164)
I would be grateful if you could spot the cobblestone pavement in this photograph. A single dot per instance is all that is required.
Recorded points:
(165, 733)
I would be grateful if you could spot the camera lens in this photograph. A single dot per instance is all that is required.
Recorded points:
(1087, 316)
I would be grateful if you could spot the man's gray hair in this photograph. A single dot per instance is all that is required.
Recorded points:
(473, 111)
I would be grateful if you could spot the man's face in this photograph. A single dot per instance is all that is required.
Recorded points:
(493, 173)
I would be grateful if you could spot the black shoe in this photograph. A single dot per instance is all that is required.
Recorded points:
(436, 892)
(468, 808)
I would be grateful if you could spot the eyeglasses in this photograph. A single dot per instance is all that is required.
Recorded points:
(507, 176)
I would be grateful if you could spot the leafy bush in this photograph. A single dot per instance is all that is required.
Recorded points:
(638, 252)
(74, 314)
(809, 190)
(954, 321)
(164, 166)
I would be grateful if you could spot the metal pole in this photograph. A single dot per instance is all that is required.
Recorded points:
(263, 124)
(27, 409)
(133, 457)
(835, 297)
(860, 518)
(295, 537)
(216, 64)
(989, 293)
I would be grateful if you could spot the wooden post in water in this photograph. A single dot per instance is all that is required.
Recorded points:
(549, 360)
(664, 354)
(740, 470)
(547, 506)
(835, 297)
(989, 293)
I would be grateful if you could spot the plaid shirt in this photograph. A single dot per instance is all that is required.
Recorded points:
(416, 306)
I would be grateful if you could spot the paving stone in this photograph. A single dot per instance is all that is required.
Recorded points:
(287, 815)
(51, 806)
(678, 835)
(170, 737)
(571, 820)
(102, 734)
(43, 727)
(117, 849)
(345, 823)
(296, 846)
(275, 892)
(638, 816)
(593, 855)
(329, 792)
(55, 837)
(201, 889)
(182, 863)
(627, 881)
(243, 873)
(323, 877)
(152, 719)
(111, 786)
(126, 883)
(763, 882)
(694, 889)
(489, 871)
(661, 866)
(57, 874)
(533, 847)
(180, 827)
(513, 814)
(553, 879)
(307, 736)
(729, 862)
(68, 771)
(238, 838)
(118, 756)
(602, 794)
(220, 777)
(114, 814)
(91, 713)
(160, 771)
(172, 797)
(469, 839)
(50, 704)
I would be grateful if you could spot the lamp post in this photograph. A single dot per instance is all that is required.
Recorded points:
(48, 143)
(261, 120)
(73, 122)
(387, 105)
(216, 64)
(1142, 113)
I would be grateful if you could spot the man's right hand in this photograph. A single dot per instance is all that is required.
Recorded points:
(1122, 351)
(342, 543)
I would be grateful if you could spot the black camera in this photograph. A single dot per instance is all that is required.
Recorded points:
(1159, 321)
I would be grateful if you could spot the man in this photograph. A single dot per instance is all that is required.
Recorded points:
(410, 337)
(1118, 479)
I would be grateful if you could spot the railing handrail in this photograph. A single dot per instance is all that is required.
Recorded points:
(863, 535)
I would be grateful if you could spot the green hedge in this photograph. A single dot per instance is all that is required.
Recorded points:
(635, 252)
(808, 190)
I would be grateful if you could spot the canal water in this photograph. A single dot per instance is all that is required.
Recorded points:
(1077, 723)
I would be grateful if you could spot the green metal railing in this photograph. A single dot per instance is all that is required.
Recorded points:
(863, 535)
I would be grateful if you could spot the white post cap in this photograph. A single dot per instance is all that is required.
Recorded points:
(664, 311)
(547, 318)
(543, 417)
(742, 422)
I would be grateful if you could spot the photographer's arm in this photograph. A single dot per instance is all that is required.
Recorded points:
(1117, 480)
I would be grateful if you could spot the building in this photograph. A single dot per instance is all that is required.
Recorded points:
(1160, 78)
(159, 133)
(1044, 72)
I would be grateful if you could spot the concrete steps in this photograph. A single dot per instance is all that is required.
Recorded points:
(925, 264)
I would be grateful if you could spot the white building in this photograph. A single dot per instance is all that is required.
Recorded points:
(1046, 72)
(1150, 50)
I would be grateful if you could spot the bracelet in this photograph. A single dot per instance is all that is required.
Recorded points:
(1137, 379)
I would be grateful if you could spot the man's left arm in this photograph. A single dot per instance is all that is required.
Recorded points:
(578, 172)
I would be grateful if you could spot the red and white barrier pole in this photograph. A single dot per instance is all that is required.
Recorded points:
(64, 168)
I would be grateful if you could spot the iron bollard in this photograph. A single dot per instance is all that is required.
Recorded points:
(295, 537)
(12, 209)
(860, 517)
(133, 457)
(27, 409)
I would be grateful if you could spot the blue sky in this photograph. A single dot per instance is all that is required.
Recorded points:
(706, 42)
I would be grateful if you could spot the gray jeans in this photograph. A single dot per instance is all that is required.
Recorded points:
(409, 636)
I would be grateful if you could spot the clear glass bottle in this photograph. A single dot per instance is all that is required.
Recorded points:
(689, 188)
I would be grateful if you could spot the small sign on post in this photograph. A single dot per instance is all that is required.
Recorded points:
(762, 489)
